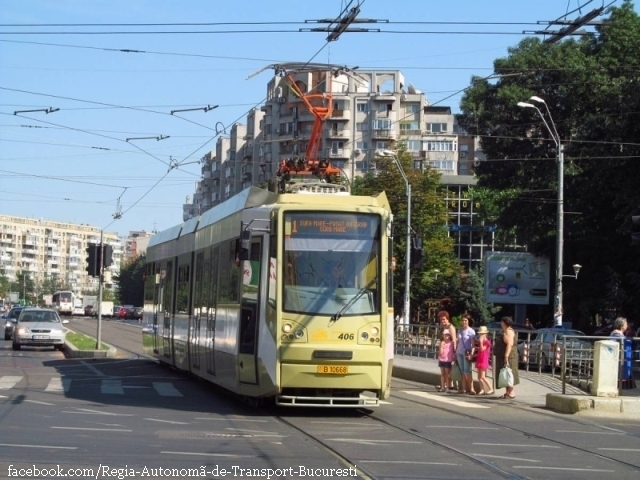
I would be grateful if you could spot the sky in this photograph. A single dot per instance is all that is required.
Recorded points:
(90, 160)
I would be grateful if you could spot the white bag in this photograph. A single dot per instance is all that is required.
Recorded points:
(505, 377)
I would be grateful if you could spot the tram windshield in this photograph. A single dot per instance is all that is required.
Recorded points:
(331, 260)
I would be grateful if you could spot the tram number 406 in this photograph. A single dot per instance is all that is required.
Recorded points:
(346, 336)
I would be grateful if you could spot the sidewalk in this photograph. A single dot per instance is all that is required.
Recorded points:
(538, 390)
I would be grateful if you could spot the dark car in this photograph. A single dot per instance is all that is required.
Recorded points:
(10, 322)
(134, 313)
(88, 310)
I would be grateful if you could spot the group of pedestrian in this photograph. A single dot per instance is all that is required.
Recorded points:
(461, 349)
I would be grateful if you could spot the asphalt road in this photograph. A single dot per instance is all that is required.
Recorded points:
(133, 414)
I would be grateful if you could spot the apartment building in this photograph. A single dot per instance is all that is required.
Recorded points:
(135, 244)
(372, 111)
(46, 249)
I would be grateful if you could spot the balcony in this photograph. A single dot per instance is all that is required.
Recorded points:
(215, 174)
(341, 115)
(206, 174)
(32, 241)
(6, 240)
(338, 133)
(383, 97)
(383, 134)
(9, 249)
(410, 132)
(338, 152)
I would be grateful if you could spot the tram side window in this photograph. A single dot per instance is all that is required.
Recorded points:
(182, 294)
(168, 288)
(230, 281)
(150, 281)
(213, 284)
(197, 288)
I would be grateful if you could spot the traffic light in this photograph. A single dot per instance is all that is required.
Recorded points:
(635, 233)
(417, 253)
(107, 258)
(92, 258)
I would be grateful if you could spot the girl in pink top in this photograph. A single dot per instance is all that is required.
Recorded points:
(483, 347)
(445, 358)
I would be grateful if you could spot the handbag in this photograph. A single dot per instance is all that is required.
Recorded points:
(471, 355)
(505, 377)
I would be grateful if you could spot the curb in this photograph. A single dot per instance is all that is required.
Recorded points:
(72, 352)
(581, 403)
(429, 378)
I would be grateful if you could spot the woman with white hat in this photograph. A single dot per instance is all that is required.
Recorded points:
(483, 346)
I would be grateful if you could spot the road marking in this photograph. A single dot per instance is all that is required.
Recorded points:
(209, 454)
(166, 389)
(8, 382)
(596, 433)
(362, 441)
(440, 398)
(230, 419)
(94, 429)
(35, 446)
(57, 384)
(359, 424)
(111, 387)
(621, 449)
(515, 445)
(505, 458)
(92, 368)
(384, 402)
(564, 468)
(40, 403)
(87, 411)
(409, 462)
(462, 428)
(166, 421)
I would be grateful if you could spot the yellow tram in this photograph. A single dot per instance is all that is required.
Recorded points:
(278, 295)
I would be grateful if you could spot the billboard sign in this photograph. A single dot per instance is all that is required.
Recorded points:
(513, 277)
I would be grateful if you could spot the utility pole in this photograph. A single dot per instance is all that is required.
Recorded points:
(100, 262)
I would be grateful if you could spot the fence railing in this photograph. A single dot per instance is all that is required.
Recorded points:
(567, 357)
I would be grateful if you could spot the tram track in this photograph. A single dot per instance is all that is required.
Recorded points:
(517, 430)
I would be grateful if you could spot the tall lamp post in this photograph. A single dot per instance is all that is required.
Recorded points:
(560, 220)
(407, 269)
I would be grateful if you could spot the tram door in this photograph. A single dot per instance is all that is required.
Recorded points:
(167, 279)
(250, 313)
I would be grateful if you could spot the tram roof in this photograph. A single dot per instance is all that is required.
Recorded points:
(247, 198)
(167, 235)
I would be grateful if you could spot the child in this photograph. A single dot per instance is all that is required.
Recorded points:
(445, 358)
(482, 362)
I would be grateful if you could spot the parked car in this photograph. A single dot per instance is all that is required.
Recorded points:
(543, 342)
(39, 327)
(78, 311)
(10, 321)
(135, 313)
(88, 310)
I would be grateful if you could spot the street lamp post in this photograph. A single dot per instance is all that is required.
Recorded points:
(407, 270)
(560, 219)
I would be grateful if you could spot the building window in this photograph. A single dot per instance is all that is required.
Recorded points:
(382, 145)
(441, 164)
(362, 107)
(464, 150)
(412, 107)
(404, 126)
(440, 146)
(362, 127)
(338, 163)
(382, 124)
(413, 145)
(337, 146)
(362, 146)
(385, 107)
(436, 127)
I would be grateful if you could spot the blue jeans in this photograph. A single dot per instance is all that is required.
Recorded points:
(463, 363)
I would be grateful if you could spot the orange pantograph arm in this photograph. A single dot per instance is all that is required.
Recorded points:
(321, 112)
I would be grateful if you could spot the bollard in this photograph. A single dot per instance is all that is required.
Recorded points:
(525, 354)
(626, 378)
(605, 368)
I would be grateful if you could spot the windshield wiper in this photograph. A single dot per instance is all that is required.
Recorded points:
(350, 303)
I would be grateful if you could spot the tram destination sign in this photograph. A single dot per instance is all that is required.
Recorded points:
(332, 226)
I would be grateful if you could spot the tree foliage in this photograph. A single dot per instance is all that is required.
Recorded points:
(428, 220)
(472, 298)
(591, 89)
(131, 282)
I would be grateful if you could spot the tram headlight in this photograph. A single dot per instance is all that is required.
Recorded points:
(374, 331)
(299, 334)
(364, 336)
(286, 328)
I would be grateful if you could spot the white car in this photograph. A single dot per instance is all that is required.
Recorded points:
(39, 327)
(78, 311)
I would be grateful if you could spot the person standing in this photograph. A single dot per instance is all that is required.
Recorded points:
(464, 349)
(620, 326)
(483, 345)
(507, 354)
(445, 359)
(446, 325)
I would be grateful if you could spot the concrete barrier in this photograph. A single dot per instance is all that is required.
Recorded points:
(71, 351)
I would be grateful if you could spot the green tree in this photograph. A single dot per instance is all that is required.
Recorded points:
(428, 221)
(4, 285)
(25, 285)
(472, 297)
(590, 86)
(131, 282)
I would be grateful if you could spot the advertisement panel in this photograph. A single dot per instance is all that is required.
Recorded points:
(513, 277)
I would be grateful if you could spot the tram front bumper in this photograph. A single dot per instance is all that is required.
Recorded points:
(357, 377)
